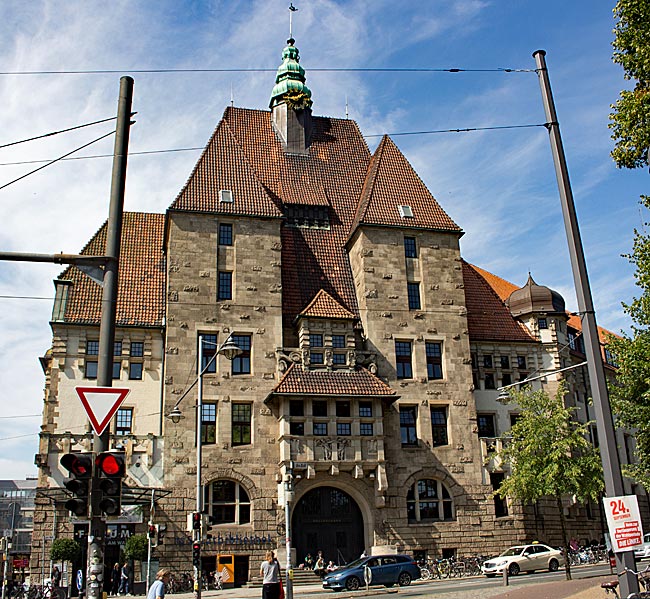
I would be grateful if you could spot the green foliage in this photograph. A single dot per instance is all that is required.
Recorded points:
(549, 453)
(65, 550)
(630, 121)
(136, 547)
(630, 393)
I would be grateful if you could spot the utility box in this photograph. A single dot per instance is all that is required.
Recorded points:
(226, 569)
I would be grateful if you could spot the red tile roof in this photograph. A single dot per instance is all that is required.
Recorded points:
(337, 382)
(325, 306)
(392, 182)
(488, 318)
(141, 279)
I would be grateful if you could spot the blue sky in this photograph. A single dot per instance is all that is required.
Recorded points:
(499, 186)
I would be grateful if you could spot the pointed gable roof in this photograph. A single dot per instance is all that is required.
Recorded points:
(325, 306)
(391, 182)
(224, 165)
(141, 281)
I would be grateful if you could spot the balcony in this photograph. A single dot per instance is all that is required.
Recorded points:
(490, 447)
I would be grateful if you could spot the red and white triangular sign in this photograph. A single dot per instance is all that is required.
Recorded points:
(100, 404)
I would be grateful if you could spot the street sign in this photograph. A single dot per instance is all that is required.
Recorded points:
(624, 522)
(100, 404)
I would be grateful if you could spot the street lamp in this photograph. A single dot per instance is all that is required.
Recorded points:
(229, 350)
(503, 394)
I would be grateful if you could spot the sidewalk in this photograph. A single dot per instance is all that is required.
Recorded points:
(582, 588)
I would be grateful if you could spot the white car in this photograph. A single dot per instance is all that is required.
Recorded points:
(644, 551)
(524, 557)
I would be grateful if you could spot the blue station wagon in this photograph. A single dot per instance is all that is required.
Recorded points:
(384, 569)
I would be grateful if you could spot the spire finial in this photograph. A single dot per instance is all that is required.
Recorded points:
(292, 9)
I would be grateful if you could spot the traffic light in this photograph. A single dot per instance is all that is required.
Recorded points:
(196, 520)
(196, 554)
(80, 467)
(153, 535)
(111, 469)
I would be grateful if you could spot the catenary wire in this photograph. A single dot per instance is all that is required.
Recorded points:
(22, 141)
(273, 70)
(56, 160)
(372, 135)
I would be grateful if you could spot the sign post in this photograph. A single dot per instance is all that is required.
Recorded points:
(624, 522)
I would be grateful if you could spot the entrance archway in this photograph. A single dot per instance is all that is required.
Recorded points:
(329, 520)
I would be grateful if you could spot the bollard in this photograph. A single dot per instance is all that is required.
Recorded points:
(505, 577)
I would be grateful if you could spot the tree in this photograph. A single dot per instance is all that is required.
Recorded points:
(65, 550)
(549, 455)
(630, 121)
(630, 392)
(136, 547)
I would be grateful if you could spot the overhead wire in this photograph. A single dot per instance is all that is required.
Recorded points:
(22, 141)
(371, 135)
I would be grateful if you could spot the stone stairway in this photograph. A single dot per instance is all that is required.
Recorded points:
(300, 578)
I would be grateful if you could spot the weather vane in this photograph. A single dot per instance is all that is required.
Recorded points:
(292, 9)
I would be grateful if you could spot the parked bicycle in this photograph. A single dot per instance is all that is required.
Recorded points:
(644, 583)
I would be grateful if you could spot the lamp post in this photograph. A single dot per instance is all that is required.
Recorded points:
(288, 499)
(230, 350)
(603, 414)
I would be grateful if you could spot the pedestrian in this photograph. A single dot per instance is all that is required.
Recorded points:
(56, 576)
(124, 580)
(319, 568)
(309, 562)
(115, 579)
(157, 588)
(270, 571)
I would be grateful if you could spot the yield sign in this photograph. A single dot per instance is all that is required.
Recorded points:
(100, 404)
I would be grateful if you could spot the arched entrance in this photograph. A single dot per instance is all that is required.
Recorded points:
(329, 520)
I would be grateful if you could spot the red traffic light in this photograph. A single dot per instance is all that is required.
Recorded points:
(78, 464)
(111, 464)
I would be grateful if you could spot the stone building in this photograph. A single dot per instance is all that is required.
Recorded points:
(372, 354)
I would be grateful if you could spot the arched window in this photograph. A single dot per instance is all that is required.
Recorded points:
(428, 500)
(227, 503)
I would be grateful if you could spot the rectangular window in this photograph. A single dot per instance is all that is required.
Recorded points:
(319, 408)
(343, 428)
(208, 423)
(338, 359)
(343, 409)
(91, 370)
(117, 348)
(241, 364)
(365, 429)
(92, 348)
(297, 428)
(542, 323)
(137, 349)
(408, 425)
(135, 371)
(209, 348)
(315, 340)
(414, 296)
(316, 357)
(500, 504)
(434, 360)
(505, 362)
(487, 361)
(241, 423)
(521, 362)
(296, 407)
(403, 359)
(338, 341)
(485, 424)
(117, 368)
(320, 429)
(225, 285)
(506, 379)
(439, 426)
(410, 249)
(489, 381)
(365, 409)
(225, 234)
(124, 421)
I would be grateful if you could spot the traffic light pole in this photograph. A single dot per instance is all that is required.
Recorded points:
(97, 532)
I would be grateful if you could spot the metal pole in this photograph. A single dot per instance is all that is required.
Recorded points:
(603, 414)
(199, 457)
(96, 541)
(288, 498)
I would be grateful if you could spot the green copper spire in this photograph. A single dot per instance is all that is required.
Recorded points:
(290, 81)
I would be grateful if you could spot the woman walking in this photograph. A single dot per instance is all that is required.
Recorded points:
(270, 571)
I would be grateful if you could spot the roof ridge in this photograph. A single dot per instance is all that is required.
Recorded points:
(322, 295)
